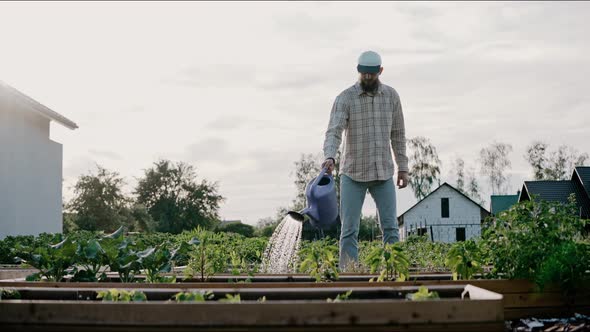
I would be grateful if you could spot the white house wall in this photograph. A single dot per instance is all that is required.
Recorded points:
(462, 213)
(30, 172)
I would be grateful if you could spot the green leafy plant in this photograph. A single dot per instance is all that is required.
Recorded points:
(193, 296)
(422, 294)
(464, 259)
(121, 295)
(9, 294)
(319, 260)
(236, 263)
(116, 234)
(425, 255)
(566, 266)
(340, 297)
(11, 247)
(121, 257)
(240, 265)
(161, 259)
(90, 255)
(206, 259)
(52, 261)
(390, 260)
(156, 261)
(230, 298)
(526, 241)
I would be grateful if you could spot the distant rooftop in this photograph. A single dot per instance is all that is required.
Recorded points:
(225, 222)
(557, 191)
(501, 203)
(584, 173)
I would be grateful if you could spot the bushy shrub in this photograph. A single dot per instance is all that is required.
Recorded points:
(530, 240)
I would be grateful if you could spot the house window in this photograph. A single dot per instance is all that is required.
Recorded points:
(460, 233)
(444, 207)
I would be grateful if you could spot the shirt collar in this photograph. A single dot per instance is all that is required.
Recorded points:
(360, 91)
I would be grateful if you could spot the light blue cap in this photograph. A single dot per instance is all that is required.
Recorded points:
(369, 62)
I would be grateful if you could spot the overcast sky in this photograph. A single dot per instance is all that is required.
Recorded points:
(240, 90)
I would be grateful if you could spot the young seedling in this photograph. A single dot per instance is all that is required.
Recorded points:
(390, 260)
(422, 295)
(121, 295)
(230, 298)
(340, 297)
(193, 296)
(464, 260)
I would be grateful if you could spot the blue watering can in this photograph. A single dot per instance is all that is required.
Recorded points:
(322, 202)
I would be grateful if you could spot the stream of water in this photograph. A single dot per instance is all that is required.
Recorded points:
(280, 255)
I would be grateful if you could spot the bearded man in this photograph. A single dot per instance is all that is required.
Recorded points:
(370, 113)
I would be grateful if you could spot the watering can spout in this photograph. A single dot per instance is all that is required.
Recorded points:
(299, 216)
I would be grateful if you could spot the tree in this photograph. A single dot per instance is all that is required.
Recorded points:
(466, 181)
(473, 190)
(175, 200)
(369, 228)
(238, 228)
(139, 219)
(494, 162)
(69, 223)
(425, 166)
(535, 155)
(306, 169)
(98, 202)
(266, 226)
(558, 165)
(459, 168)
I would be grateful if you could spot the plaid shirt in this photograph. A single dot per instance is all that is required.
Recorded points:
(371, 123)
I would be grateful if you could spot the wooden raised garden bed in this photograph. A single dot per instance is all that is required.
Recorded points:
(521, 299)
(286, 309)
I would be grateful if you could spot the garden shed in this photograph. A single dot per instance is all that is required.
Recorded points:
(445, 215)
(30, 166)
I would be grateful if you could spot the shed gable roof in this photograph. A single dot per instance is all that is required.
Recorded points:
(38, 107)
(435, 190)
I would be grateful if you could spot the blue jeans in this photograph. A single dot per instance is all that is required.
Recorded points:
(352, 197)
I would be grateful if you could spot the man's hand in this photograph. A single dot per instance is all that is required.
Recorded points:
(402, 179)
(329, 163)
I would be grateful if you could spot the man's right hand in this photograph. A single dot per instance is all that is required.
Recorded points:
(329, 163)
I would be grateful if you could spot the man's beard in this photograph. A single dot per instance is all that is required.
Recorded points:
(370, 86)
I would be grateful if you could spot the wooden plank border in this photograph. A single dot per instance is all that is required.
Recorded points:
(485, 312)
